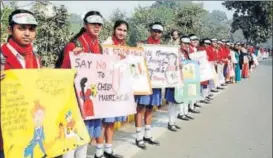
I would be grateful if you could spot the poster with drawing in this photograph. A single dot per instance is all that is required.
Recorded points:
(190, 90)
(104, 88)
(190, 71)
(138, 72)
(205, 68)
(163, 65)
(136, 64)
(40, 116)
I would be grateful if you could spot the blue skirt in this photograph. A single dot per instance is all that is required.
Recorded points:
(94, 127)
(154, 99)
(115, 119)
(169, 95)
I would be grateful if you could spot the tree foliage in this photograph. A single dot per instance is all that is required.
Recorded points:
(52, 32)
(253, 17)
(6, 9)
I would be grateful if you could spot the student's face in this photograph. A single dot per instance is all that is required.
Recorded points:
(23, 34)
(214, 43)
(93, 29)
(156, 34)
(121, 32)
(175, 35)
(184, 45)
(194, 43)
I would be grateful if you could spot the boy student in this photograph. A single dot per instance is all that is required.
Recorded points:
(18, 53)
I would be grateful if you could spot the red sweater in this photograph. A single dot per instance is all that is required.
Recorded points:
(11, 63)
(92, 44)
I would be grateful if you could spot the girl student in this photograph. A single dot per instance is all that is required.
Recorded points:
(147, 102)
(184, 55)
(18, 52)
(173, 106)
(118, 38)
(87, 41)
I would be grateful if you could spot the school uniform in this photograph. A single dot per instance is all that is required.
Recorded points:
(184, 107)
(89, 45)
(114, 41)
(155, 99)
(17, 57)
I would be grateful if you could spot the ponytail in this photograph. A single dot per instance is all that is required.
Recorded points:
(75, 37)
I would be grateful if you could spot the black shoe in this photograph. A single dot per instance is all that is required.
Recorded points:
(112, 155)
(189, 117)
(194, 111)
(172, 128)
(177, 127)
(224, 85)
(220, 88)
(102, 156)
(209, 98)
(150, 141)
(210, 95)
(44, 156)
(199, 106)
(141, 144)
(182, 117)
(204, 101)
(214, 90)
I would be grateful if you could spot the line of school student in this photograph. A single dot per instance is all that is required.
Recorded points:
(18, 53)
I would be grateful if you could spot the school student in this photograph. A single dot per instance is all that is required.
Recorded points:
(86, 41)
(118, 38)
(194, 43)
(18, 53)
(147, 102)
(183, 113)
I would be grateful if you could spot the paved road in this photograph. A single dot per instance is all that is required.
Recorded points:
(238, 124)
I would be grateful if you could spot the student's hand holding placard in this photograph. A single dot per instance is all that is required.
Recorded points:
(77, 50)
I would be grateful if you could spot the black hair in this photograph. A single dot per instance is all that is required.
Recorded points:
(175, 30)
(192, 34)
(120, 22)
(82, 30)
(155, 23)
(82, 84)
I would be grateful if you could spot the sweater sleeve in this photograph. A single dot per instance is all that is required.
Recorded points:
(66, 60)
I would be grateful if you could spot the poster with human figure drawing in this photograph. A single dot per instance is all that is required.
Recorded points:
(39, 114)
(163, 65)
(103, 87)
(136, 64)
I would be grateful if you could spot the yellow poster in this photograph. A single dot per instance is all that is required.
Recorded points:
(39, 113)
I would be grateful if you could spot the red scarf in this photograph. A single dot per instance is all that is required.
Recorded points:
(26, 52)
(92, 42)
(150, 40)
(117, 41)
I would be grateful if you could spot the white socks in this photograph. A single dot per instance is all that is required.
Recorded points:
(172, 112)
(139, 135)
(148, 131)
(108, 148)
(99, 150)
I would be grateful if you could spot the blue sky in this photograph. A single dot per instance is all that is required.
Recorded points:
(107, 7)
